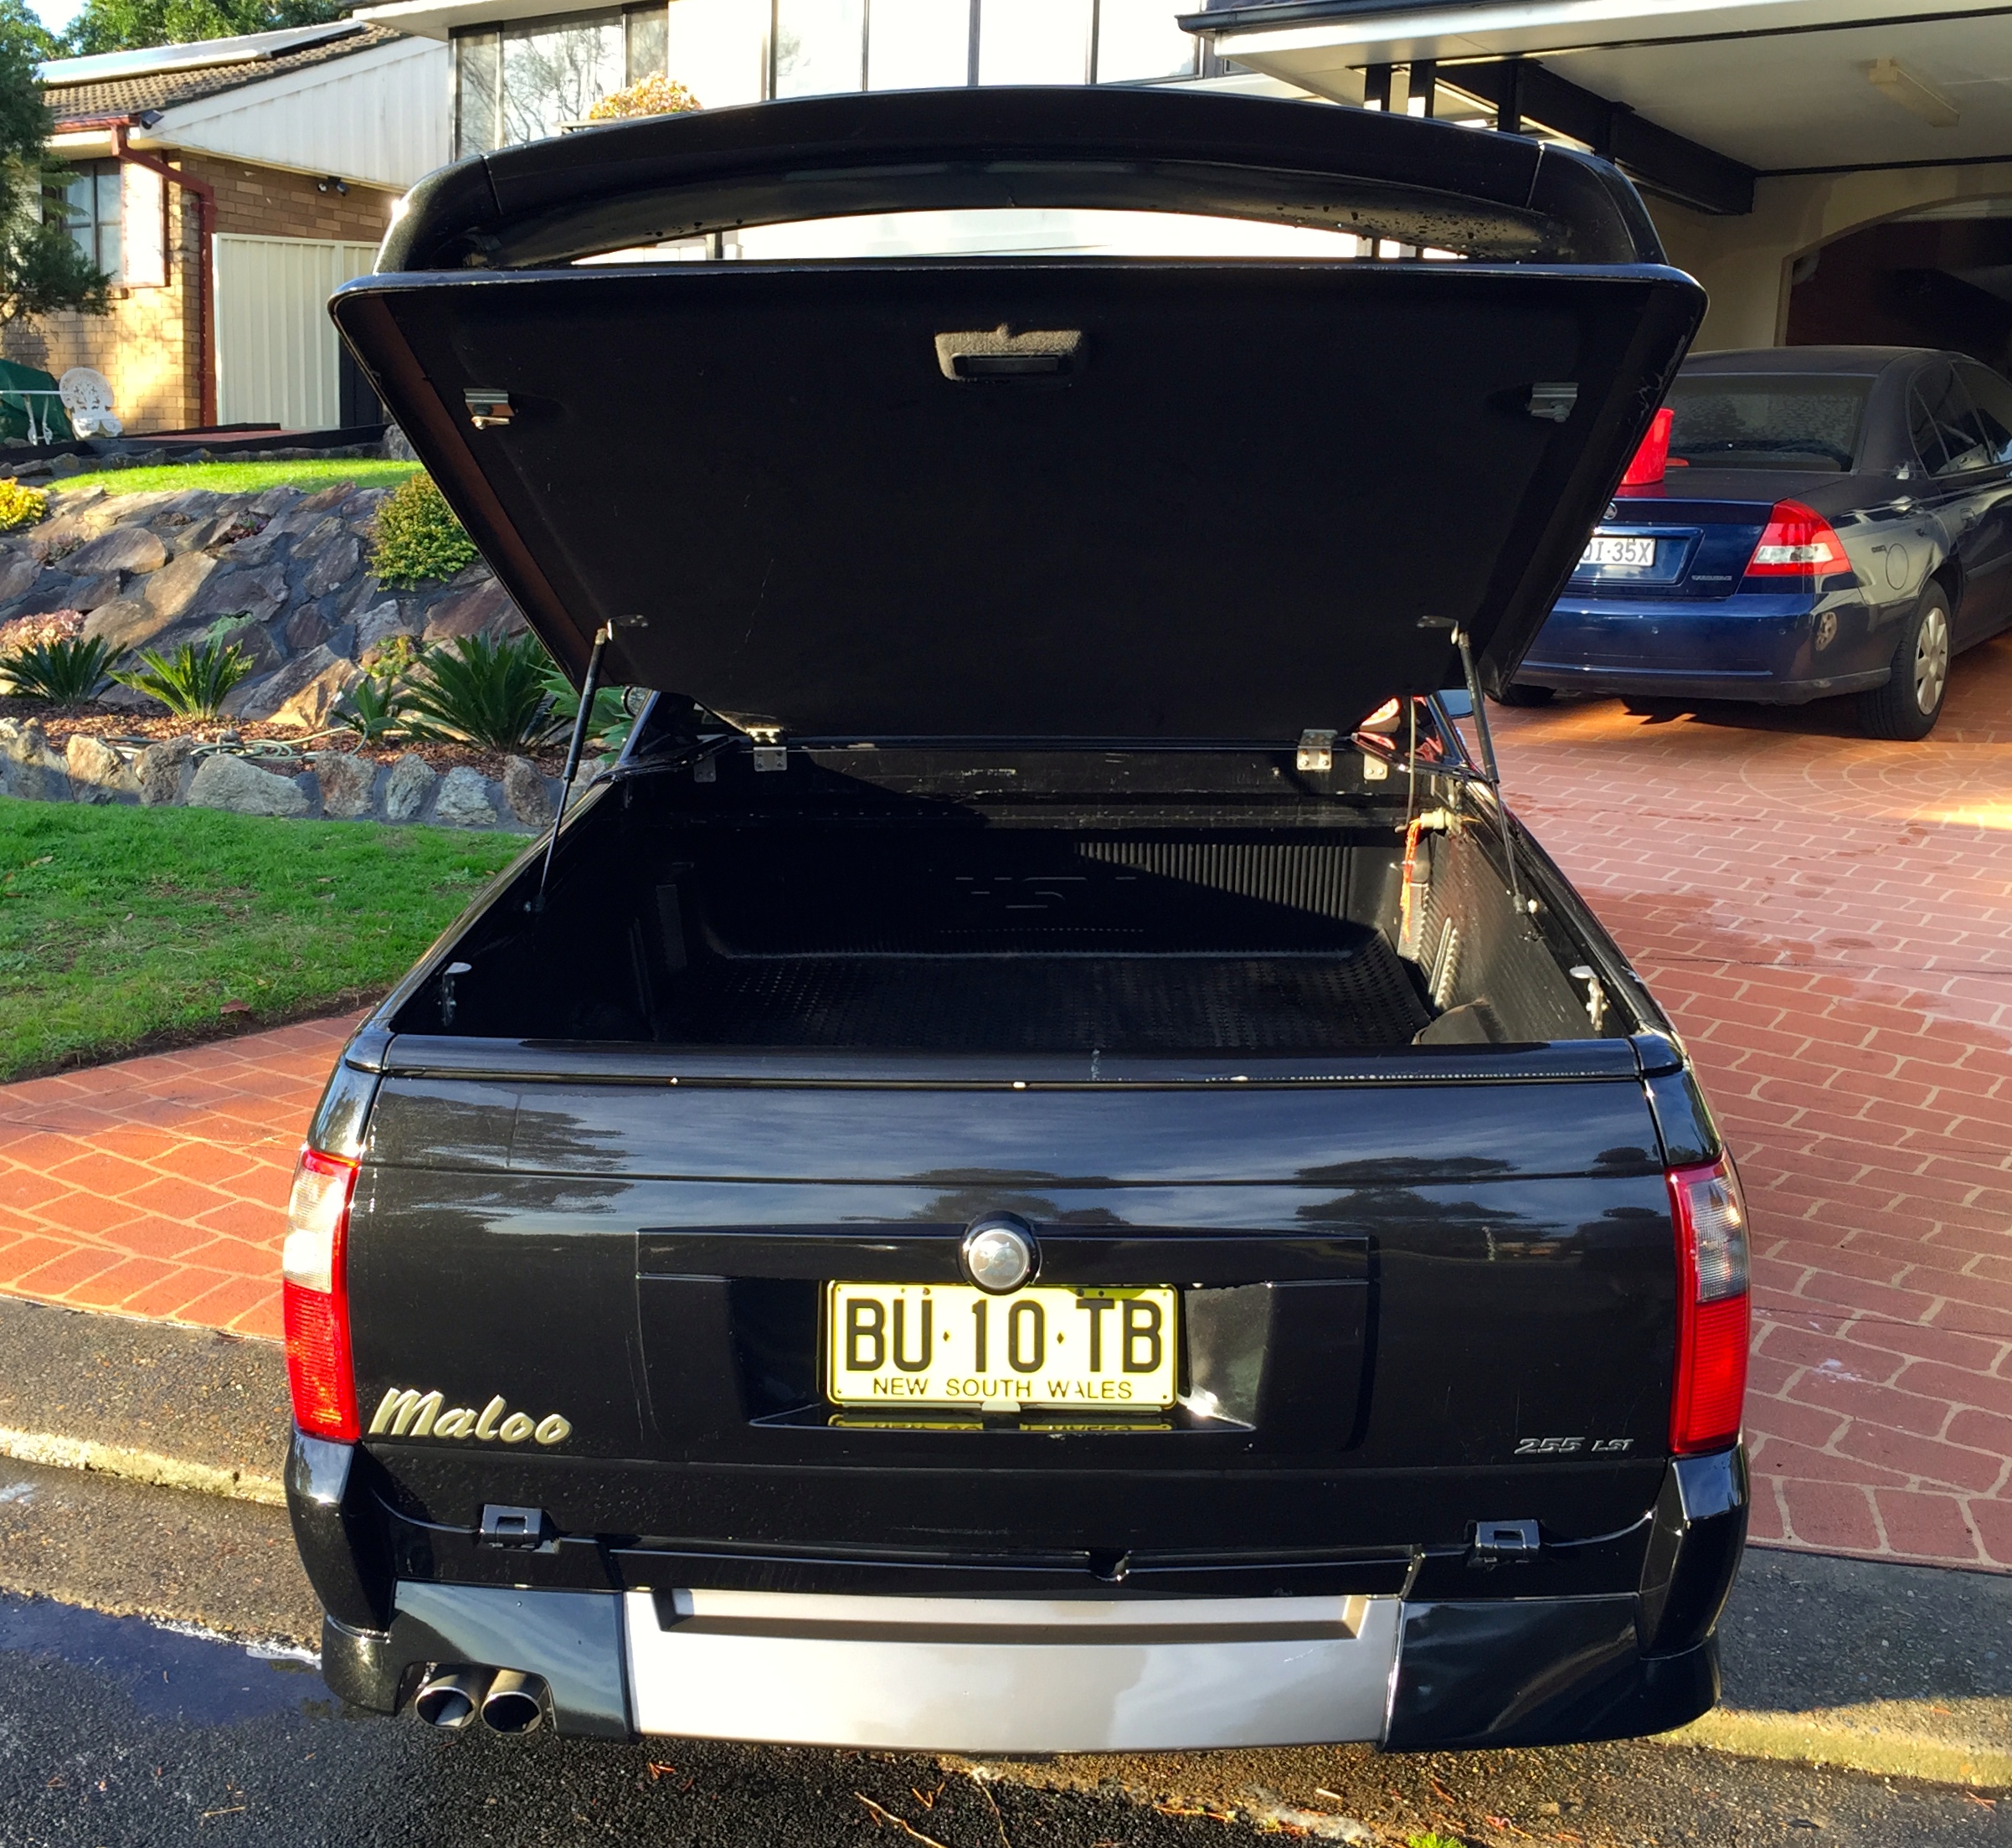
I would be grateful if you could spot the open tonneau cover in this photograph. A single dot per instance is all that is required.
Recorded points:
(1086, 498)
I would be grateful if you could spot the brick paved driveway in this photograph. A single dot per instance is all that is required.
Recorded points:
(157, 1186)
(1829, 919)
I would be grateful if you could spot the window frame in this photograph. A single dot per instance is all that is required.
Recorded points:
(1204, 62)
(496, 32)
(1966, 371)
(1952, 382)
(56, 196)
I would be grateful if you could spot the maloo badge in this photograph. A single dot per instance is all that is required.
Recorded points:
(405, 1411)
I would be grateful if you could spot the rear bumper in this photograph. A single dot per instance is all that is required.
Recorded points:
(1098, 1674)
(1645, 683)
(1777, 650)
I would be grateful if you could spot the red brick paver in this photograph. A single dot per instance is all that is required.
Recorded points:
(1830, 921)
(157, 1186)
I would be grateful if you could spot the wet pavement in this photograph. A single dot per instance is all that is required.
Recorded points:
(116, 1731)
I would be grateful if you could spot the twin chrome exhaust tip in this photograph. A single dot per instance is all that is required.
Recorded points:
(507, 1702)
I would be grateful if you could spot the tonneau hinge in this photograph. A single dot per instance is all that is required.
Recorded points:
(488, 407)
(770, 753)
(1316, 750)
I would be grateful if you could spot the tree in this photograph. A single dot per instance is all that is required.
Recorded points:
(41, 268)
(127, 25)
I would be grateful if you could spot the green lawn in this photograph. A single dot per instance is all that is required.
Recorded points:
(238, 477)
(122, 927)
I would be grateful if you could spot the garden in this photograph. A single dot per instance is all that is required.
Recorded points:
(128, 929)
(237, 636)
(219, 681)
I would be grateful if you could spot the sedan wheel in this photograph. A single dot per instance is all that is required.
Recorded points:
(1910, 703)
(1931, 662)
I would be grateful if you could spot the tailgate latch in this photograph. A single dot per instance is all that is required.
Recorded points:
(1497, 1542)
(520, 1529)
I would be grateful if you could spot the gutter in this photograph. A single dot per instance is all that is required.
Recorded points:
(206, 222)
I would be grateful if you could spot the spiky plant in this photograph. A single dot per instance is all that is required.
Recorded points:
(374, 709)
(608, 724)
(66, 671)
(491, 694)
(193, 683)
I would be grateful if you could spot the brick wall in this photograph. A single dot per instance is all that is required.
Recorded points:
(148, 345)
(262, 201)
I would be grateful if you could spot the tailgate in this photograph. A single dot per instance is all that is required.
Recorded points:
(1403, 1308)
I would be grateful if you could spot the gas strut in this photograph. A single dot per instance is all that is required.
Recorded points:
(588, 687)
(1491, 774)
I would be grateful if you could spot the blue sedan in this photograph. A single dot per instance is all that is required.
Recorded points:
(1827, 520)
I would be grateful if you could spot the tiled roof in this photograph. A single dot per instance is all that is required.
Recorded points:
(71, 103)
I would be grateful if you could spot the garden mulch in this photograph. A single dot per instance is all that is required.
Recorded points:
(124, 725)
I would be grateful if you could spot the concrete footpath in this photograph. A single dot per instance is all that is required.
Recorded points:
(1903, 1670)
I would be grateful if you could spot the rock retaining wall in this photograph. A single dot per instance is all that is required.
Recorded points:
(331, 786)
(282, 574)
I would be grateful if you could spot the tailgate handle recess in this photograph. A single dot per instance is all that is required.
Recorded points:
(523, 1529)
(1497, 1541)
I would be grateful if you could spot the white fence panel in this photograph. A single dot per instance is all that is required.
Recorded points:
(276, 345)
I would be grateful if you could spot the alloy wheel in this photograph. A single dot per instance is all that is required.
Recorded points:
(1931, 660)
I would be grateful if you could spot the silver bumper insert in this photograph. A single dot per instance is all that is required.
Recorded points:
(997, 1674)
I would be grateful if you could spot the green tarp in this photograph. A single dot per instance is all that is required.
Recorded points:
(24, 411)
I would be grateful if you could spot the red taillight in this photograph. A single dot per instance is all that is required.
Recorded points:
(1652, 458)
(1712, 1304)
(1797, 542)
(315, 1296)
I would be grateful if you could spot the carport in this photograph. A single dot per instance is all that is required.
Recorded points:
(1832, 170)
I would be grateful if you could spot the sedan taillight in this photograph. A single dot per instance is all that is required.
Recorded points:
(1712, 1308)
(315, 1296)
(1797, 542)
(1651, 460)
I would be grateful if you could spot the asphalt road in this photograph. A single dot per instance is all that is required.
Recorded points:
(116, 1731)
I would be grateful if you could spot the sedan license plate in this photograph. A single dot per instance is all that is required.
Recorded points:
(1611, 549)
(950, 1345)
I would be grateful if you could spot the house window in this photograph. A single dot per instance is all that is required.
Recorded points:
(918, 45)
(531, 78)
(823, 46)
(820, 46)
(528, 79)
(90, 206)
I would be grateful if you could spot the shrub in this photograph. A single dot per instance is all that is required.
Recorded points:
(487, 693)
(20, 506)
(66, 671)
(193, 682)
(607, 726)
(51, 626)
(653, 97)
(374, 709)
(417, 538)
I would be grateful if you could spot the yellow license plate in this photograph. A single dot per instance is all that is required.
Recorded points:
(888, 1345)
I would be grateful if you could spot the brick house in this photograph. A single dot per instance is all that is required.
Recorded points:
(227, 187)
